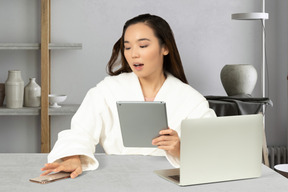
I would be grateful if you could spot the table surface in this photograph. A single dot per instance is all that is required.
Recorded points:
(120, 173)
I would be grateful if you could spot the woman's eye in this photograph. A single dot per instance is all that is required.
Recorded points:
(126, 48)
(143, 46)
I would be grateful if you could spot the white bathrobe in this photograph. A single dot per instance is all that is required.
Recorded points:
(96, 120)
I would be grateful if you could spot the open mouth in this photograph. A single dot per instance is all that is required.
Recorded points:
(138, 65)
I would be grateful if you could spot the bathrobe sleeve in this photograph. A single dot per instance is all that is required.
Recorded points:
(82, 138)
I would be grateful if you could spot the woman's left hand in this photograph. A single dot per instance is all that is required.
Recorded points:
(169, 141)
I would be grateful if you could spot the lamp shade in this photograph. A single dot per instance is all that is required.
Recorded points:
(250, 16)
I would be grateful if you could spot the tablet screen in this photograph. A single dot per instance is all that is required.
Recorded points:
(141, 121)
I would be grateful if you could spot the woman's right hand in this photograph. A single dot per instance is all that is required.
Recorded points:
(69, 164)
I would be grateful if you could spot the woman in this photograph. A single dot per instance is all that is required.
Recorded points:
(150, 70)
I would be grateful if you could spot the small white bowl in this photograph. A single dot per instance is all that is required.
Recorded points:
(282, 169)
(55, 99)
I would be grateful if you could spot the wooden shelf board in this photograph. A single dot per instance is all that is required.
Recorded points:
(65, 109)
(19, 46)
(21, 111)
(64, 46)
(36, 46)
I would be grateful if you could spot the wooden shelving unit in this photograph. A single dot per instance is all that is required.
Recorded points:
(45, 47)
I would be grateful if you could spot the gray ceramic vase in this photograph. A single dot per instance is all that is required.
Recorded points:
(32, 94)
(238, 79)
(14, 90)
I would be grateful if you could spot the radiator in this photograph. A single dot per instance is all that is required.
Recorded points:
(277, 155)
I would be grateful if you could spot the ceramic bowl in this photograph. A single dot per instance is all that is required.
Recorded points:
(55, 99)
(282, 169)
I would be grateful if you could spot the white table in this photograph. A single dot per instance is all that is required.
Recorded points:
(120, 173)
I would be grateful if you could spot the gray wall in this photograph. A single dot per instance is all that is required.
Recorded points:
(206, 36)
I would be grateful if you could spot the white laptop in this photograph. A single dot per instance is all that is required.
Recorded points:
(218, 149)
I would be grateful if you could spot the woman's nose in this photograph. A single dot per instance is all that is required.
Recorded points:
(135, 53)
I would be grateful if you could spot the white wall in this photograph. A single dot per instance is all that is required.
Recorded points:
(20, 23)
(277, 52)
(206, 36)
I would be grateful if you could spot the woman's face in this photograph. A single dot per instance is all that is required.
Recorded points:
(143, 52)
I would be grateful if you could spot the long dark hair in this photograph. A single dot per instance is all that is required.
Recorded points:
(172, 61)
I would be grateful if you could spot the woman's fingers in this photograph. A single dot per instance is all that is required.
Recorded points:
(69, 164)
(46, 173)
(167, 132)
(168, 141)
(49, 166)
(167, 136)
(164, 142)
(75, 173)
(61, 168)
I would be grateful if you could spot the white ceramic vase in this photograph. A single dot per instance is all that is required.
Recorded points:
(238, 79)
(14, 89)
(32, 94)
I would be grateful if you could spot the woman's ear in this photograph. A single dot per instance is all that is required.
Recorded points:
(165, 50)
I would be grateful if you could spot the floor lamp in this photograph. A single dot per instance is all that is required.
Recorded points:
(259, 16)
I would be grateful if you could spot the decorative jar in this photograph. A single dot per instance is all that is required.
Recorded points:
(238, 79)
(32, 94)
(14, 89)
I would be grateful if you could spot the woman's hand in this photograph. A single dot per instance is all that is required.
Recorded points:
(69, 164)
(169, 141)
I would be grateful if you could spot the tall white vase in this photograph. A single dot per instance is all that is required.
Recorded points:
(14, 89)
(239, 79)
(32, 93)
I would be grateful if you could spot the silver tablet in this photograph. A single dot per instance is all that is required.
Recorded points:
(141, 121)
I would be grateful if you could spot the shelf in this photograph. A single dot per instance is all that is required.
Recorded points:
(250, 16)
(22, 111)
(19, 46)
(66, 109)
(45, 46)
(65, 46)
(36, 46)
